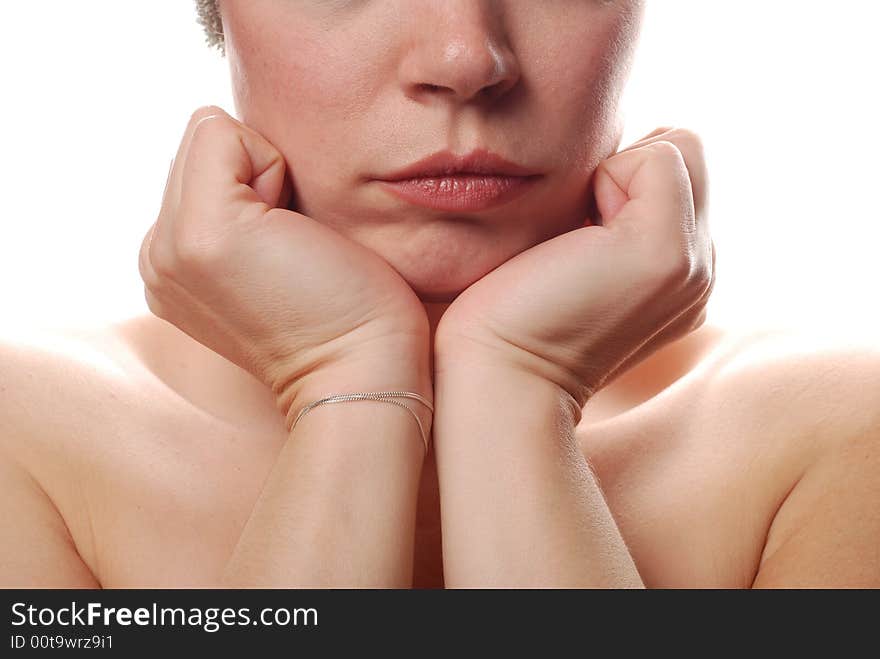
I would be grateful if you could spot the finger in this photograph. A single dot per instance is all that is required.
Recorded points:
(145, 264)
(175, 179)
(653, 133)
(149, 277)
(646, 190)
(267, 168)
(159, 243)
(175, 182)
(228, 168)
(153, 259)
(154, 305)
(691, 146)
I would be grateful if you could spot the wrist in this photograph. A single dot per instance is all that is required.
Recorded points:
(462, 359)
(399, 369)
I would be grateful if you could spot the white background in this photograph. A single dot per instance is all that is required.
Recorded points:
(96, 95)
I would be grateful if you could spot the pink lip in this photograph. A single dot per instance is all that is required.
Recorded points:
(473, 182)
(461, 193)
(478, 161)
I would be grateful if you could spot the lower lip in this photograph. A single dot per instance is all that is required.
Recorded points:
(465, 192)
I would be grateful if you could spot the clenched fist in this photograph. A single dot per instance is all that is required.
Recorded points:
(586, 305)
(273, 291)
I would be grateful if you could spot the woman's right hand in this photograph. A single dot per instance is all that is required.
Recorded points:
(273, 291)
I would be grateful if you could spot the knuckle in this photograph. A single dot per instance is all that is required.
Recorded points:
(697, 276)
(144, 252)
(677, 270)
(706, 269)
(710, 283)
(685, 137)
(702, 282)
(662, 130)
(666, 149)
(165, 266)
(163, 269)
(148, 274)
(154, 264)
(670, 269)
(700, 319)
(681, 271)
(689, 144)
(196, 254)
(184, 250)
(654, 134)
(190, 245)
(700, 278)
(154, 304)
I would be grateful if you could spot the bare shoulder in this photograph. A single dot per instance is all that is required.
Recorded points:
(759, 445)
(56, 383)
(772, 377)
(42, 368)
(821, 386)
(813, 397)
(51, 392)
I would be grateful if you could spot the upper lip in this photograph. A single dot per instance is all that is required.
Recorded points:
(446, 163)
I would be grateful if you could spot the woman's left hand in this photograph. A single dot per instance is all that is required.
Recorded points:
(583, 307)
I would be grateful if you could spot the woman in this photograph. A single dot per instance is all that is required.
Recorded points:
(542, 307)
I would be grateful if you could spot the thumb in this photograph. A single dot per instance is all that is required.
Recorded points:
(270, 180)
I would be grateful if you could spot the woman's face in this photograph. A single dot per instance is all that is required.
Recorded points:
(350, 90)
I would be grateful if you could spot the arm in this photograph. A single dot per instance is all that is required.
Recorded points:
(338, 509)
(309, 312)
(541, 331)
(36, 549)
(520, 504)
(827, 532)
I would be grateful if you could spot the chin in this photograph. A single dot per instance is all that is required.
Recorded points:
(439, 277)
(439, 260)
(441, 282)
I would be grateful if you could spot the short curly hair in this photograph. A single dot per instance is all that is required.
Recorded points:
(209, 19)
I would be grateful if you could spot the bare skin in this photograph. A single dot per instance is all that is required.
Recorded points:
(133, 455)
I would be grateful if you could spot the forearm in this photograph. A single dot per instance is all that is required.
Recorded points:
(338, 508)
(520, 504)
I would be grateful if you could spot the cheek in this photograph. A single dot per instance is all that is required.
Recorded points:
(308, 100)
(301, 82)
(578, 84)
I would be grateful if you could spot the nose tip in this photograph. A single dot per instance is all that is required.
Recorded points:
(463, 71)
